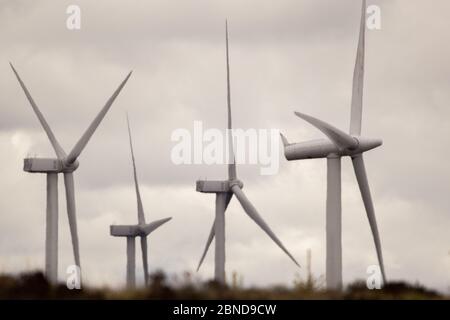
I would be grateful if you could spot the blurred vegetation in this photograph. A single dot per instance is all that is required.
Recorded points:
(34, 285)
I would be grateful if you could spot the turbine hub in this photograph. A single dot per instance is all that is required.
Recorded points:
(69, 168)
(236, 182)
(141, 231)
(366, 144)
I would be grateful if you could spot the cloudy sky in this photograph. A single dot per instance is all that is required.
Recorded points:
(292, 55)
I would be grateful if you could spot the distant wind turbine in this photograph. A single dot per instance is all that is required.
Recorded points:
(141, 230)
(341, 144)
(224, 191)
(65, 164)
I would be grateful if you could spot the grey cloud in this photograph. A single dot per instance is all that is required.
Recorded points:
(285, 56)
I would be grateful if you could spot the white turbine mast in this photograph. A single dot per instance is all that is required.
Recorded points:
(65, 164)
(338, 145)
(224, 191)
(142, 230)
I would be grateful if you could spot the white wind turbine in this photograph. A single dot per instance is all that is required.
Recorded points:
(224, 191)
(65, 164)
(142, 230)
(341, 144)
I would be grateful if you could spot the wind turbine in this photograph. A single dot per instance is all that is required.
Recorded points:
(341, 144)
(224, 191)
(65, 164)
(142, 229)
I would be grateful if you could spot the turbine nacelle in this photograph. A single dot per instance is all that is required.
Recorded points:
(128, 231)
(323, 148)
(136, 230)
(124, 231)
(49, 165)
(215, 186)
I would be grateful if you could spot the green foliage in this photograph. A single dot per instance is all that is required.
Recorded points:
(35, 286)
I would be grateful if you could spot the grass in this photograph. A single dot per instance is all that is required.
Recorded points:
(34, 285)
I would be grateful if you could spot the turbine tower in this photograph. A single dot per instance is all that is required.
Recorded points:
(224, 191)
(142, 230)
(65, 164)
(341, 144)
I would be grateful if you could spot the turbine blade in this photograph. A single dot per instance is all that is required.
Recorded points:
(149, 228)
(145, 258)
(71, 212)
(208, 244)
(232, 160)
(254, 215)
(81, 144)
(361, 176)
(341, 139)
(358, 78)
(212, 234)
(141, 216)
(56, 146)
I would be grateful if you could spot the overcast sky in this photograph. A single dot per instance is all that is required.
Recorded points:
(285, 56)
